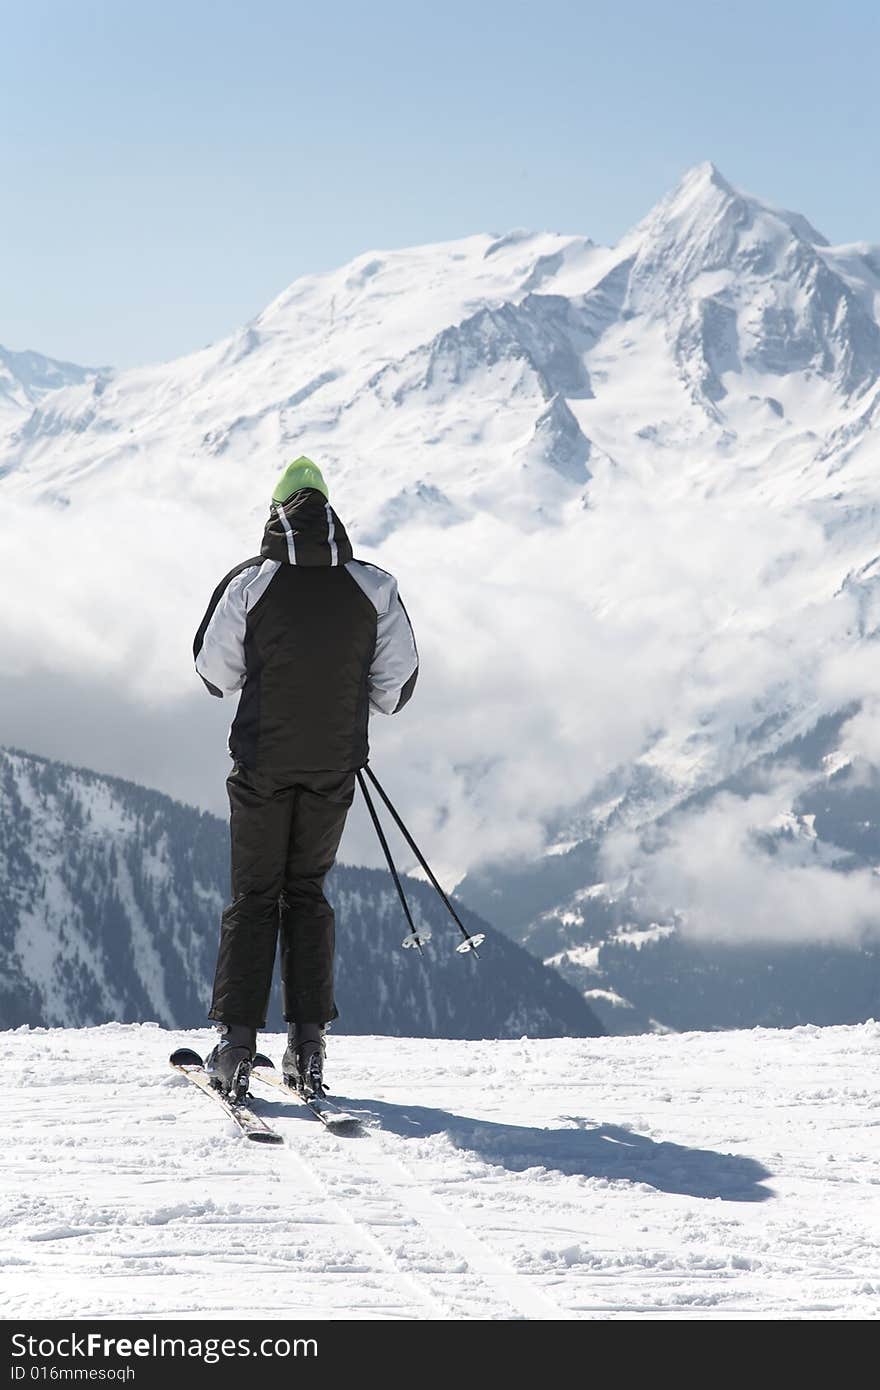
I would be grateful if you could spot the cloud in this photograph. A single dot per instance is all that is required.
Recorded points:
(743, 868)
(647, 627)
(860, 735)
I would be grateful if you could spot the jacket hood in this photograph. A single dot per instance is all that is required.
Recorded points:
(305, 530)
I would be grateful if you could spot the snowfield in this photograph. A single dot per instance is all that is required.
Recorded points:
(723, 1175)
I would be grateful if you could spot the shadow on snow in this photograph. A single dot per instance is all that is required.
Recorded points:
(587, 1150)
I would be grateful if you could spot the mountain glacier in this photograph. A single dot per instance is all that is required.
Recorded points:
(631, 494)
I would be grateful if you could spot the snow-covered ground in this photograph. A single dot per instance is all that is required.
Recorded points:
(724, 1175)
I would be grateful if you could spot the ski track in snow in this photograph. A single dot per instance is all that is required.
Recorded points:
(709, 1176)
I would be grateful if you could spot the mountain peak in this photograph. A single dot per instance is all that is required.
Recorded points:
(699, 201)
(706, 225)
(704, 202)
(26, 377)
(701, 178)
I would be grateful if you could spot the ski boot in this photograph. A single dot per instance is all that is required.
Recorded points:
(228, 1065)
(302, 1065)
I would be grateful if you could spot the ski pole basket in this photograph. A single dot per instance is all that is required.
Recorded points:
(416, 938)
(471, 943)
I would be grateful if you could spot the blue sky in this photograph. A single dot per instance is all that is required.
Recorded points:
(167, 168)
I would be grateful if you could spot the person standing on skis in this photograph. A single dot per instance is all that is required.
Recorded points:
(314, 640)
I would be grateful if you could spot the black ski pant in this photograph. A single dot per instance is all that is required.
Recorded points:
(284, 841)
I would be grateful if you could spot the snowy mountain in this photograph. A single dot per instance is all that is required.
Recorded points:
(729, 1176)
(632, 497)
(26, 378)
(110, 897)
(640, 973)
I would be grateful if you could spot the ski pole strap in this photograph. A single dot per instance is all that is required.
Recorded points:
(394, 874)
(471, 941)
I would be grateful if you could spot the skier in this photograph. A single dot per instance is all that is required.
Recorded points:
(314, 640)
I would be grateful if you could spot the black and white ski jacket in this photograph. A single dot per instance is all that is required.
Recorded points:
(312, 638)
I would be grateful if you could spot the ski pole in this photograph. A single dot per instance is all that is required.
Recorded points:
(470, 942)
(415, 938)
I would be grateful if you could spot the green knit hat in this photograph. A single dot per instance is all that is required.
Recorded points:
(299, 474)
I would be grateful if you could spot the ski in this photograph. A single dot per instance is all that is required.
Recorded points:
(252, 1126)
(331, 1116)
